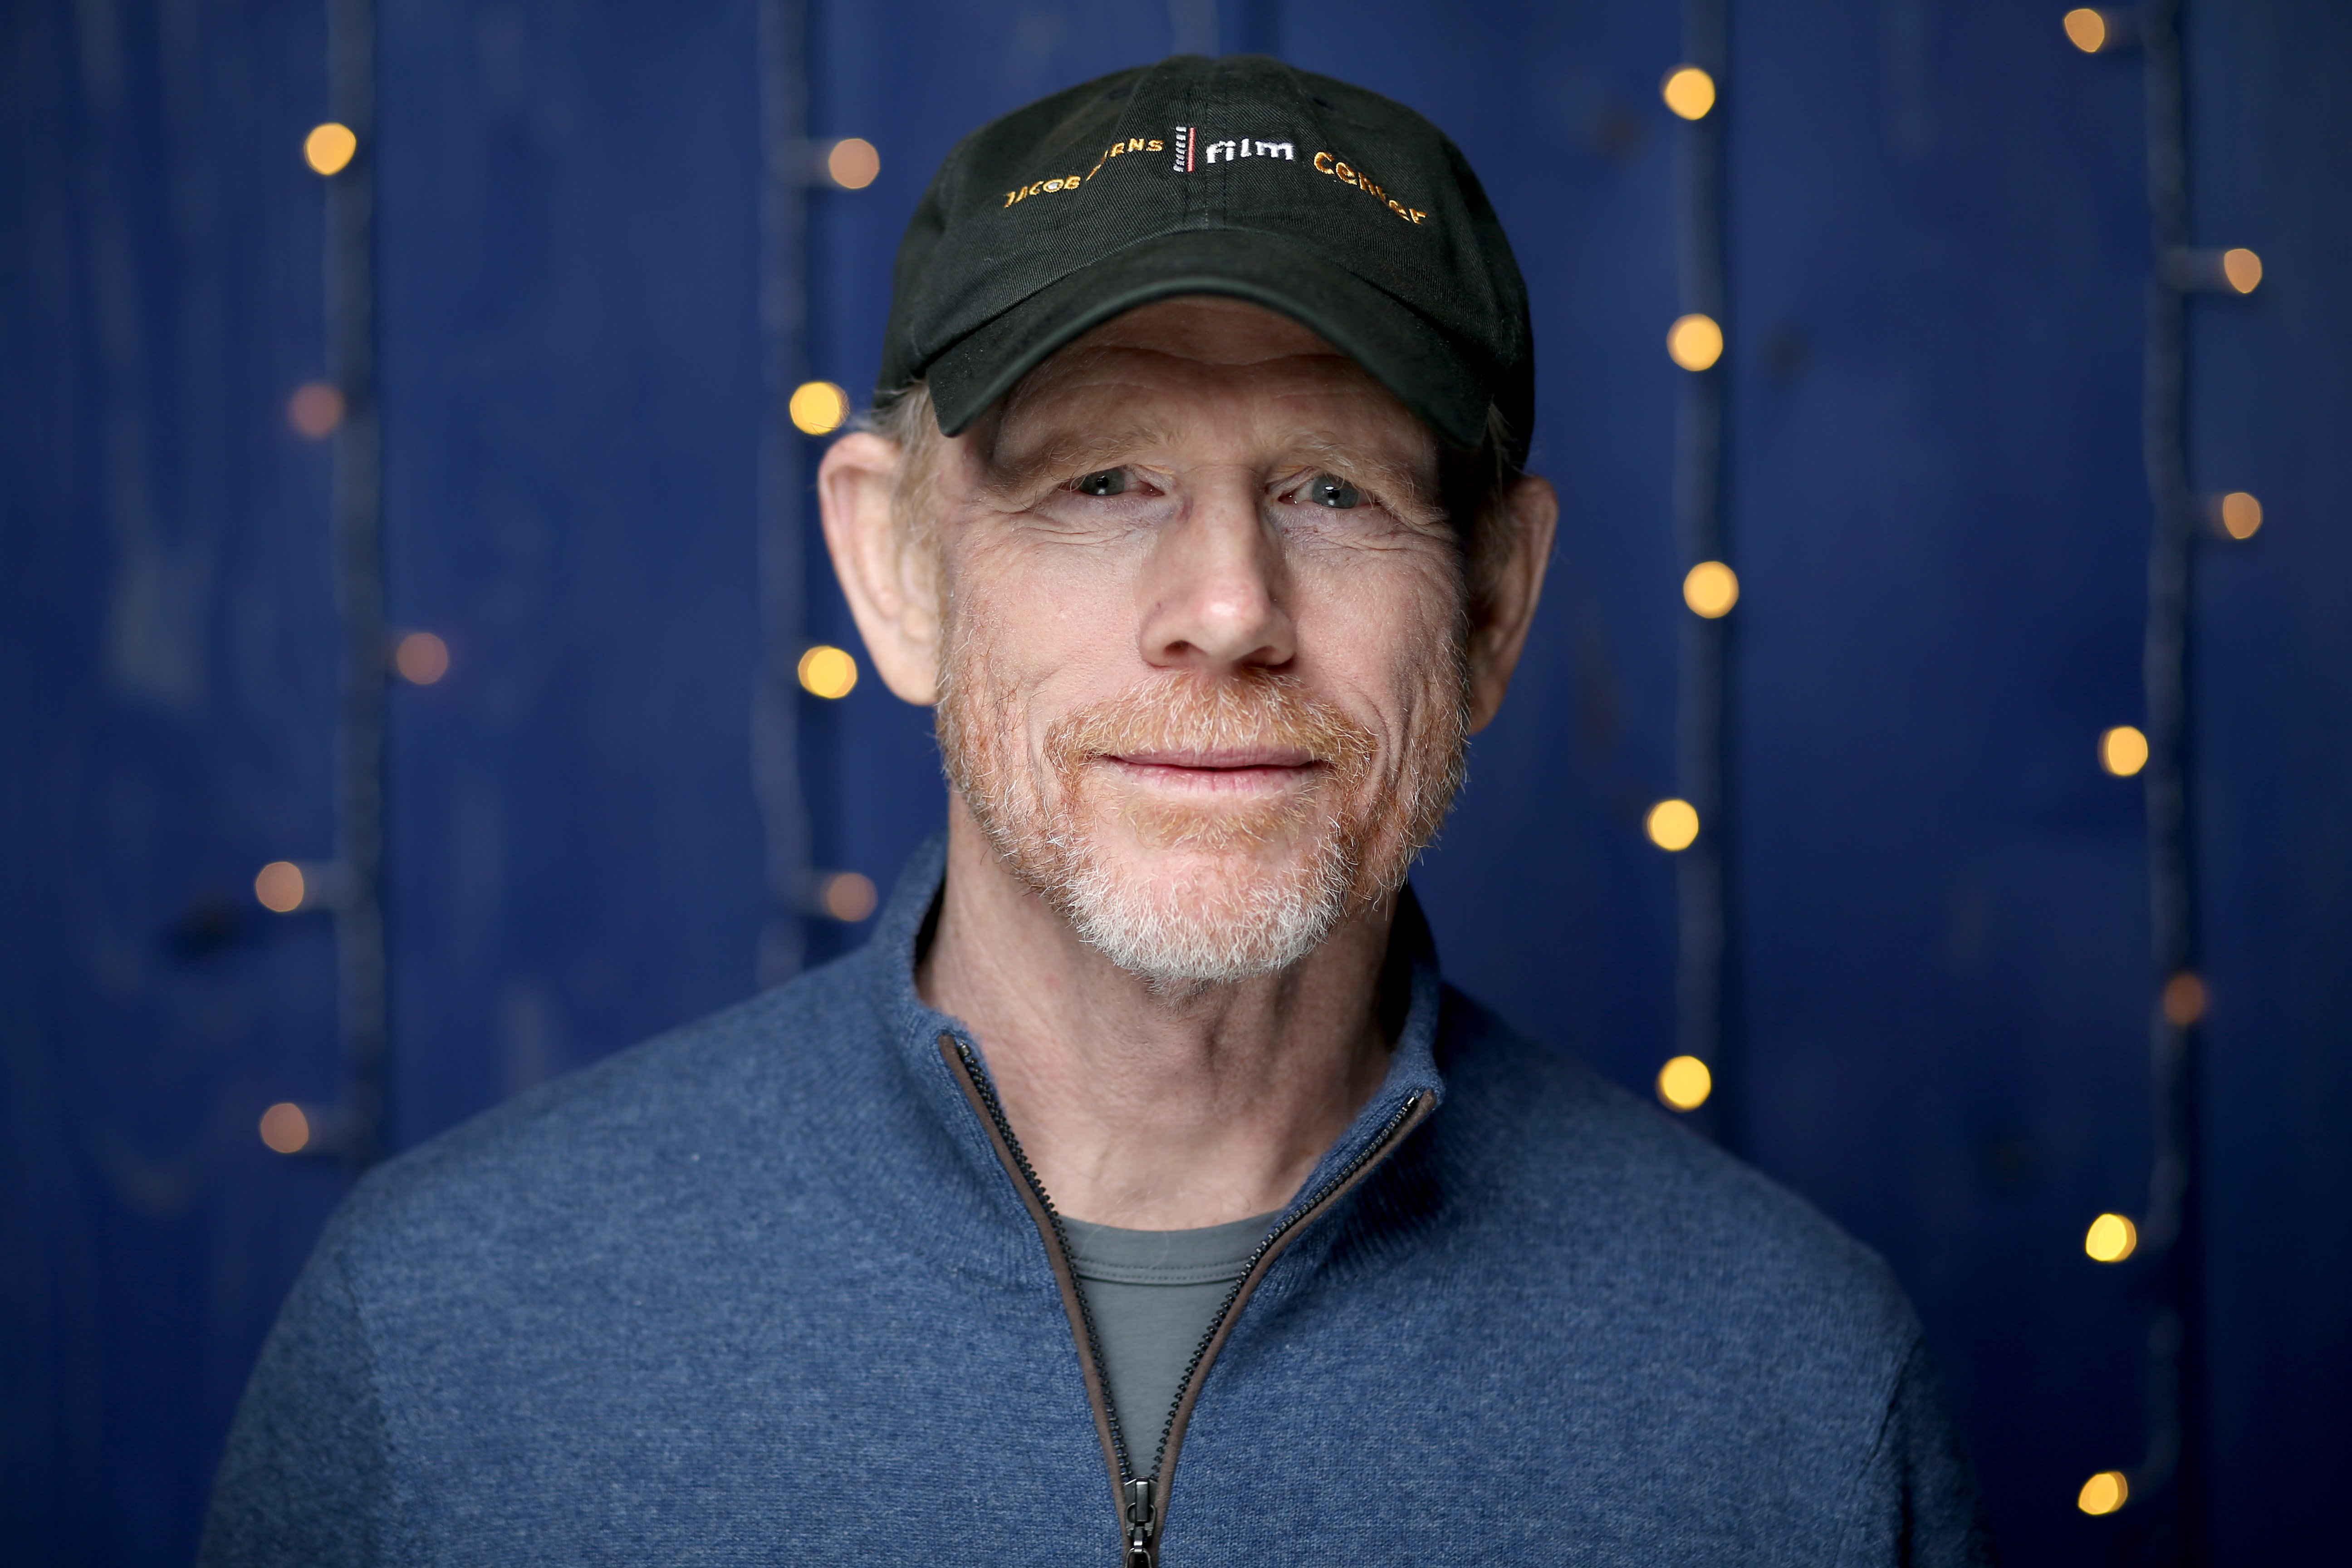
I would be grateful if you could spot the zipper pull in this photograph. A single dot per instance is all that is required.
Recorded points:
(1139, 1521)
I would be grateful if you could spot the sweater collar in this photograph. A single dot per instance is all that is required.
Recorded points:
(1411, 979)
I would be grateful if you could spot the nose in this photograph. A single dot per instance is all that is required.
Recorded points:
(1214, 590)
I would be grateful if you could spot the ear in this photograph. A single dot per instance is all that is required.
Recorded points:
(1500, 630)
(892, 593)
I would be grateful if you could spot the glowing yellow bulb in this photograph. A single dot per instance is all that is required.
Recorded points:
(1710, 589)
(279, 887)
(2111, 1239)
(849, 897)
(1689, 91)
(1673, 825)
(285, 1128)
(2184, 1000)
(1695, 341)
(2243, 269)
(828, 672)
(421, 658)
(818, 407)
(330, 148)
(853, 164)
(2087, 31)
(2103, 1493)
(2242, 514)
(2123, 750)
(1684, 1083)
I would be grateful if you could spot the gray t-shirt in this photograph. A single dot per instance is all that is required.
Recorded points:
(1153, 1294)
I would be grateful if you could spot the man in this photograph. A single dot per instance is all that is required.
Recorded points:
(1140, 1193)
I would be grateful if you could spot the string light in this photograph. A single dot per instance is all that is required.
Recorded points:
(315, 410)
(2086, 29)
(286, 1128)
(2103, 1493)
(1684, 1083)
(853, 164)
(848, 896)
(818, 407)
(2183, 1000)
(278, 886)
(2110, 1238)
(828, 672)
(1695, 341)
(2123, 750)
(2242, 268)
(1689, 91)
(421, 658)
(1710, 589)
(2241, 515)
(330, 148)
(1673, 825)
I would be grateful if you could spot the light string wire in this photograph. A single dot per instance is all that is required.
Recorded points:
(362, 980)
(782, 487)
(2173, 1469)
(1701, 938)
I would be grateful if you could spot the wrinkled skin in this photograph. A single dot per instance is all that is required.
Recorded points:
(1206, 661)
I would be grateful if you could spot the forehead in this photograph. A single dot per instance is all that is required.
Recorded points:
(1203, 345)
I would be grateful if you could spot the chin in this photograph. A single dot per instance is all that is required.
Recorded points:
(1192, 913)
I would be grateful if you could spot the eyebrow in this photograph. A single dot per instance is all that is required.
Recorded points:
(1010, 476)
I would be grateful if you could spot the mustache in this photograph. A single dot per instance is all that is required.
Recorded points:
(1185, 712)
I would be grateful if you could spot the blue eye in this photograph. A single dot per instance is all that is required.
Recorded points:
(1109, 482)
(1329, 489)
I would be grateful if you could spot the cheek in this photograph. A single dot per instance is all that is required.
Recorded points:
(1059, 624)
(1376, 627)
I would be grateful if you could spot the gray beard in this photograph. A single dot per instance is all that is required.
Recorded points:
(1194, 927)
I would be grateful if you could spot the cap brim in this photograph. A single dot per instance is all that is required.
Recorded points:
(1395, 343)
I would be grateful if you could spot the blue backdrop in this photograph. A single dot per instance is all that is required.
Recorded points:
(1937, 230)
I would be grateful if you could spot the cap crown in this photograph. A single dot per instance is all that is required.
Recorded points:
(1296, 165)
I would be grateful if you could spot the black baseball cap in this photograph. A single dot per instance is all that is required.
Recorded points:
(1239, 176)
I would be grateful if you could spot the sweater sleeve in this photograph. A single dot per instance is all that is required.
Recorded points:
(1918, 1504)
(307, 1478)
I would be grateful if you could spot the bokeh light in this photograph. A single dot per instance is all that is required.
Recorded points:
(818, 407)
(2183, 1000)
(853, 164)
(279, 887)
(1689, 91)
(828, 672)
(1673, 825)
(849, 897)
(2123, 750)
(316, 409)
(2103, 1493)
(1695, 341)
(1710, 589)
(2110, 1238)
(1684, 1083)
(330, 148)
(2242, 514)
(2086, 29)
(286, 1128)
(421, 658)
(2243, 269)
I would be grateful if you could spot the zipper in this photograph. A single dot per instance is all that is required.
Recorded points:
(1141, 1497)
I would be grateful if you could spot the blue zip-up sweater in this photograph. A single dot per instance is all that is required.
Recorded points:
(771, 1289)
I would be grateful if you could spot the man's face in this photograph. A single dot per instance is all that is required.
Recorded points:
(1201, 679)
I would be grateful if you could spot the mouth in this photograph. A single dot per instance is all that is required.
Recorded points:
(1224, 770)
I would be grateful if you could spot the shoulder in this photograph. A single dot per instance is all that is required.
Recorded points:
(1605, 1189)
(750, 1091)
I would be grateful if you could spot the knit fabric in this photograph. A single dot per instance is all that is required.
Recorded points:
(761, 1291)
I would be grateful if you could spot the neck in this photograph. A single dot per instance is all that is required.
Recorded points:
(1142, 1107)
